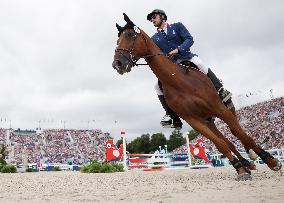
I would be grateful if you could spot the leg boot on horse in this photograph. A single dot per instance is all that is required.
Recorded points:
(272, 163)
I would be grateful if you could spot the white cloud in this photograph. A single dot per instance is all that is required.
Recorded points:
(55, 59)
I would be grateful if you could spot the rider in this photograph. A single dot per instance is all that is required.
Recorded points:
(175, 41)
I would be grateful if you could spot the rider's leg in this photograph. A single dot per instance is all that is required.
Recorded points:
(223, 93)
(174, 120)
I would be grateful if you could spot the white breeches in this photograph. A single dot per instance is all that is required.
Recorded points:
(197, 61)
(158, 90)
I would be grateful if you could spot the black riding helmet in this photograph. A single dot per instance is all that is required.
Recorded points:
(156, 11)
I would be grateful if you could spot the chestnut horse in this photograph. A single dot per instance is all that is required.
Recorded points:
(190, 94)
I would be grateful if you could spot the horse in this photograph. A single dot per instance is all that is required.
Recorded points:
(190, 94)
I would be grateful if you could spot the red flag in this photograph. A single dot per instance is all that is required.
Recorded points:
(112, 153)
(122, 133)
(198, 150)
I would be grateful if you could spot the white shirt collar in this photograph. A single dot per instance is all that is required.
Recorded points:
(165, 28)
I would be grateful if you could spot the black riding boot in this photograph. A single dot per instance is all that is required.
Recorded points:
(174, 121)
(224, 94)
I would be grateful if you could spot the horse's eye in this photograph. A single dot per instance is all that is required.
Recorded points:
(129, 35)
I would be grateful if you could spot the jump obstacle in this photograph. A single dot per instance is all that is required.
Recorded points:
(151, 162)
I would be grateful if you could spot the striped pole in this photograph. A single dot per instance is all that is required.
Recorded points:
(124, 151)
(188, 150)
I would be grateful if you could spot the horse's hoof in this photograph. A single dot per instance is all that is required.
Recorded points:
(244, 177)
(252, 166)
(278, 167)
(252, 155)
(248, 170)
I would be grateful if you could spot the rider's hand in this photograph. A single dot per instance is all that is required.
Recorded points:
(173, 53)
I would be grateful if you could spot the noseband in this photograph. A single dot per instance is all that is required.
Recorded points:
(132, 58)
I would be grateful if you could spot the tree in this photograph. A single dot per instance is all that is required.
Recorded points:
(192, 134)
(140, 144)
(2, 155)
(119, 142)
(175, 140)
(145, 144)
(132, 147)
(158, 139)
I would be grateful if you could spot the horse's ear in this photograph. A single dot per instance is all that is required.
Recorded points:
(126, 18)
(119, 28)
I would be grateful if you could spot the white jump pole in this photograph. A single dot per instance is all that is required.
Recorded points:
(188, 150)
(124, 151)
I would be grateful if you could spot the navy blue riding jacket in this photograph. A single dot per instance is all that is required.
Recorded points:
(177, 36)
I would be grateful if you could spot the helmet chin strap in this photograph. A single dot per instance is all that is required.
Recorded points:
(162, 25)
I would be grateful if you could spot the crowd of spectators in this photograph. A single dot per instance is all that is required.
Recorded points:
(2, 135)
(264, 122)
(54, 146)
(20, 145)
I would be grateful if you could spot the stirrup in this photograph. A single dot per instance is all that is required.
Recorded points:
(227, 97)
(229, 104)
(164, 125)
(166, 122)
(169, 125)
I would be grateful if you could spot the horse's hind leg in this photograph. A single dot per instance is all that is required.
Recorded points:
(236, 129)
(202, 127)
(232, 147)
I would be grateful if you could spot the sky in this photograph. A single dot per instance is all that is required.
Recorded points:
(56, 56)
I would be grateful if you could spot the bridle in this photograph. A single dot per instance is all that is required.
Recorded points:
(132, 58)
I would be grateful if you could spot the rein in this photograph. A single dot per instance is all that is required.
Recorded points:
(130, 52)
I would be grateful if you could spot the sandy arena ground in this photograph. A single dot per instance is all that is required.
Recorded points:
(187, 185)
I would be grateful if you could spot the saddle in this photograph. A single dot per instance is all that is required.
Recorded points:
(187, 65)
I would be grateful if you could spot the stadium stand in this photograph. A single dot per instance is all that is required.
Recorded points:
(54, 146)
(264, 122)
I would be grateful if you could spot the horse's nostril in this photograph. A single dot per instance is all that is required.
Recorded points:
(118, 63)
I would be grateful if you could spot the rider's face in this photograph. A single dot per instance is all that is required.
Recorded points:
(156, 20)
